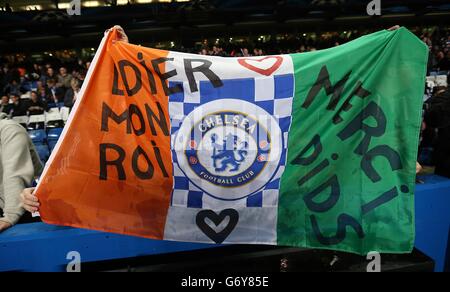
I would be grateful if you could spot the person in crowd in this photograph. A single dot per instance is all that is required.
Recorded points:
(8, 8)
(79, 74)
(443, 61)
(43, 93)
(64, 78)
(55, 94)
(437, 115)
(72, 93)
(3, 77)
(39, 85)
(257, 52)
(50, 74)
(18, 107)
(20, 164)
(36, 106)
(35, 72)
(5, 106)
(12, 74)
(12, 88)
(218, 51)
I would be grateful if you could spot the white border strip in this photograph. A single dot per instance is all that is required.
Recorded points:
(86, 83)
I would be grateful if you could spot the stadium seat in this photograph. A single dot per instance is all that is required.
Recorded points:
(55, 124)
(36, 122)
(37, 119)
(38, 136)
(53, 134)
(43, 151)
(52, 144)
(53, 110)
(53, 115)
(35, 126)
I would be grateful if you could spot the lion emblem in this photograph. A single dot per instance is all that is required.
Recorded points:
(229, 154)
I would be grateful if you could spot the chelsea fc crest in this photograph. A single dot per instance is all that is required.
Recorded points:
(229, 148)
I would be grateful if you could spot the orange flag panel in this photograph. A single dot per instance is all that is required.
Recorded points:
(111, 170)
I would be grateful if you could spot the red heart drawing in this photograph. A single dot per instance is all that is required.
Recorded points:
(268, 71)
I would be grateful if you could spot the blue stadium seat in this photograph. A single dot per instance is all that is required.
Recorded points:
(54, 124)
(52, 105)
(54, 133)
(36, 126)
(37, 136)
(43, 151)
(60, 104)
(52, 144)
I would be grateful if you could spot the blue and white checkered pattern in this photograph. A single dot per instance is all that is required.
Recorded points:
(274, 94)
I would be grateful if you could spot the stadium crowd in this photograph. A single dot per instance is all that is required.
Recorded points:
(58, 79)
(40, 86)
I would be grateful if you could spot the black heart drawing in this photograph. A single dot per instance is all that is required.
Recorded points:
(217, 237)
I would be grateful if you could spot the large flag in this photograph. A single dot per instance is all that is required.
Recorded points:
(314, 149)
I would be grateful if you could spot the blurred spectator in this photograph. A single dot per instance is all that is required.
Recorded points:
(36, 106)
(258, 52)
(245, 52)
(72, 93)
(5, 107)
(218, 51)
(35, 72)
(79, 74)
(55, 94)
(39, 84)
(8, 8)
(43, 93)
(50, 74)
(443, 61)
(437, 115)
(19, 165)
(18, 107)
(64, 78)
(3, 72)
(12, 88)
